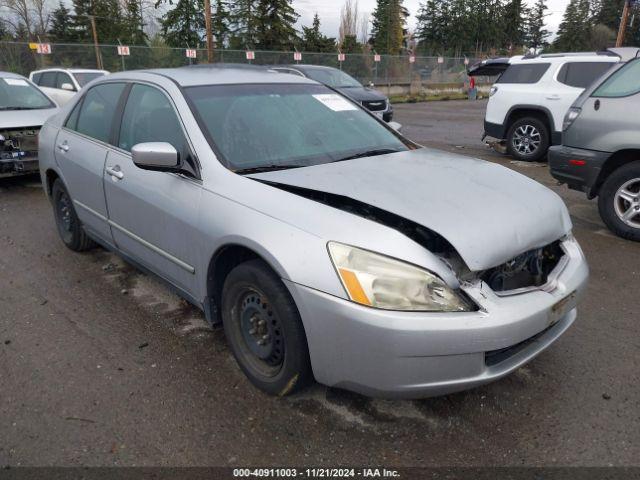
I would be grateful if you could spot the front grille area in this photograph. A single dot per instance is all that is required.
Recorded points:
(18, 149)
(375, 105)
(528, 270)
(494, 357)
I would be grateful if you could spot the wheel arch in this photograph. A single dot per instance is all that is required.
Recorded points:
(51, 176)
(222, 262)
(517, 112)
(614, 162)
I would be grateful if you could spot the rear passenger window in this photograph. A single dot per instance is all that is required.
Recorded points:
(62, 78)
(48, 79)
(524, 73)
(582, 74)
(36, 78)
(97, 111)
(149, 117)
(622, 83)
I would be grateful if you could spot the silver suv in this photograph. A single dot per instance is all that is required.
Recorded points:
(600, 152)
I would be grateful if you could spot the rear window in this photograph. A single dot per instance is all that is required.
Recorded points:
(582, 74)
(524, 73)
(623, 83)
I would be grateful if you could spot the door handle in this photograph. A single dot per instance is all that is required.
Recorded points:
(115, 172)
(553, 97)
(64, 147)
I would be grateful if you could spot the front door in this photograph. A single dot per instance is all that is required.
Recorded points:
(153, 215)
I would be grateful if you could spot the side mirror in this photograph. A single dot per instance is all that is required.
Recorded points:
(371, 85)
(395, 125)
(155, 156)
(68, 87)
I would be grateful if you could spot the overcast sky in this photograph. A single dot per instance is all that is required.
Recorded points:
(329, 12)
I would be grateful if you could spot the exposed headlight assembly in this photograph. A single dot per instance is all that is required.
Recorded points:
(382, 282)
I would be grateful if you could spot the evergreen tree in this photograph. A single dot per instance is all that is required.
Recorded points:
(220, 17)
(276, 25)
(61, 30)
(575, 29)
(133, 24)
(388, 27)
(513, 20)
(109, 20)
(608, 13)
(80, 25)
(314, 41)
(537, 34)
(244, 21)
(184, 24)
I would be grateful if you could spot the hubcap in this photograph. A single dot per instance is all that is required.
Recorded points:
(261, 329)
(64, 211)
(627, 203)
(526, 139)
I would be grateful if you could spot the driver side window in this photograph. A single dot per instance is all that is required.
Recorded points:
(150, 117)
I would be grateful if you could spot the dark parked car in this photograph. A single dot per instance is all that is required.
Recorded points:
(600, 151)
(371, 99)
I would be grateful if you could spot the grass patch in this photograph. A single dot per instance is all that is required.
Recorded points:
(428, 98)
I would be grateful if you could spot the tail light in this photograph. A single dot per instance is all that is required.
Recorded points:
(570, 117)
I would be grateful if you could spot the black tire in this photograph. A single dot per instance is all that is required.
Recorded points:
(255, 304)
(69, 226)
(612, 206)
(523, 135)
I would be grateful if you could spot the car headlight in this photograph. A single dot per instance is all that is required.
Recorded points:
(382, 282)
(570, 117)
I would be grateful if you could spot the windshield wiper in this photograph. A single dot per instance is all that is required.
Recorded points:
(265, 168)
(20, 108)
(368, 153)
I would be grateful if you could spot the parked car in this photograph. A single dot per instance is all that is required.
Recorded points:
(371, 99)
(23, 110)
(62, 84)
(327, 245)
(528, 102)
(600, 152)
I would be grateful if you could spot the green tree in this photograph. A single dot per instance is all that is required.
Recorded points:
(109, 20)
(61, 25)
(276, 25)
(133, 24)
(80, 25)
(244, 21)
(184, 24)
(388, 27)
(314, 41)
(514, 21)
(220, 18)
(537, 34)
(575, 29)
(608, 12)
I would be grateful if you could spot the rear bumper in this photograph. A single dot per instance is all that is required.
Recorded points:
(495, 130)
(414, 354)
(565, 169)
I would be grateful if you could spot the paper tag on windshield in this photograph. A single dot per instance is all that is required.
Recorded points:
(16, 82)
(335, 102)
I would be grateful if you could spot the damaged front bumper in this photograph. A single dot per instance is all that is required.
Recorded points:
(18, 152)
(413, 354)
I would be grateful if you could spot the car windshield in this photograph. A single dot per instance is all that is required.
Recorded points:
(19, 94)
(332, 77)
(275, 126)
(85, 77)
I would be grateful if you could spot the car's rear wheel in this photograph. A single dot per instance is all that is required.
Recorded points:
(69, 226)
(619, 202)
(528, 139)
(264, 330)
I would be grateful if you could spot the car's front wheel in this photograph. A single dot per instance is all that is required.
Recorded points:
(264, 330)
(69, 226)
(528, 139)
(619, 202)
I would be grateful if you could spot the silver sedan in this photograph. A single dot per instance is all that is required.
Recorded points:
(327, 245)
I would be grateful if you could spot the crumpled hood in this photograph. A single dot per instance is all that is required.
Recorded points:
(361, 94)
(25, 118)
(489, 213)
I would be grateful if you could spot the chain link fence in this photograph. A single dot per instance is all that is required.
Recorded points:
(390, 70)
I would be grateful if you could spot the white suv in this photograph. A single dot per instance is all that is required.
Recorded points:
(62, 84)
(532, 95)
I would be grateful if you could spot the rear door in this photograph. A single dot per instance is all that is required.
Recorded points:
(81, 149)
(154, 214)
(570, 81)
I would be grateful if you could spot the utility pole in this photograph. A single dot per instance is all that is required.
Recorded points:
(207, 25)
(95, 42)
(623, 23)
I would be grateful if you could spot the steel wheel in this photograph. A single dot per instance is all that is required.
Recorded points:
(526, 139)
(627, 203)
(63, 211)
(261, 333)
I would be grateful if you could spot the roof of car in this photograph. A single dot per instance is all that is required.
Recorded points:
(219, 75)
(305, 66)
(72, 70)
(10, 75)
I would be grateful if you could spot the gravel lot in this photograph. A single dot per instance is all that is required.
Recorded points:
(100, 365)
